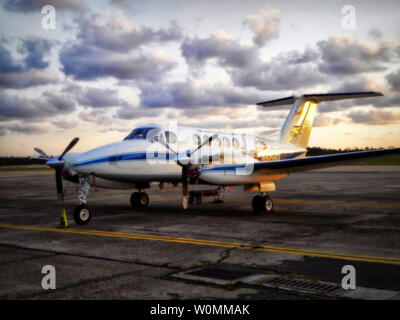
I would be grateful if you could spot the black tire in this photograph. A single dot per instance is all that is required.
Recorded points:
(191, 199)
(257, 204)
(82, 214)
(139, 200)
(199, 200)
(264, 204)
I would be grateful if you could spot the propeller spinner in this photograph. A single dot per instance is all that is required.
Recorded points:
(184, 162)
(57, 163)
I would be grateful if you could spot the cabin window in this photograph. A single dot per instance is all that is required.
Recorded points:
(170, 137)
(205, 138)
(227, 143)
(196, 140)
(217, 142)
(261, 145)
(235, 143)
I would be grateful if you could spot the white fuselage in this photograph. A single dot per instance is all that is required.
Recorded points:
(144, 159)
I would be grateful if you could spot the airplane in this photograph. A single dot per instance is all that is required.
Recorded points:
(187, 156)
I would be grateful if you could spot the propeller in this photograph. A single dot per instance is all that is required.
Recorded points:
(57, 163)
(69, 147)
(42, 153)
(185, 164)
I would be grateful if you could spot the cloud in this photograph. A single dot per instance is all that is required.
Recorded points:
(90, 63)
(95, 97)
(23, 128)
(96, 116)
(27, 6)
(287, 71)
(322, 121)
(123, 3)
(374, 117)
(28, 71)
(116, 32)
(346, 56)
(374, 34)
(265, 123)
(221, 46)
(191, 94)
(131, 112)
(7, 63)
(27, 79)
(281, 73)
(265, 25)
(65, 124)
(109, 45)
(86, 62)
(35, 49)
(47, 105)
(394, 80)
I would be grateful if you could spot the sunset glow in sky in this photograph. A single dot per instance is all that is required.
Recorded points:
(112, 65)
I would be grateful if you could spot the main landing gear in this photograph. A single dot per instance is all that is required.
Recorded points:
(263, 204)
(139, 200)
(82, 213)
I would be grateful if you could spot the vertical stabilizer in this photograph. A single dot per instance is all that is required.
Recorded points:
(297, 127)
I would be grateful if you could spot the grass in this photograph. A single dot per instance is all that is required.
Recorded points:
(22, 168)
(380, 162)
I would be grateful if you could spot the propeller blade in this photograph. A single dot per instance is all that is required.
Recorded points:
(44, 160)
(59, 184)
(69, 147)
(204, 143)
(41, 152)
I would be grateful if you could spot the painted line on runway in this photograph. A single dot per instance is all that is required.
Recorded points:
(223, 244)
(304, 202)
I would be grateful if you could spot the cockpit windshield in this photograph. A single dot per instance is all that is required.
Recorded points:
(140, 133)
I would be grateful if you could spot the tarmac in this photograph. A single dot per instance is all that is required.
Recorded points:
(323, 221)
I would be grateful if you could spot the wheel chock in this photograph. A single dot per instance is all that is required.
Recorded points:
(63, 220)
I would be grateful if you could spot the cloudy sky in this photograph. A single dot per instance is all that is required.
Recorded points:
(112, 65)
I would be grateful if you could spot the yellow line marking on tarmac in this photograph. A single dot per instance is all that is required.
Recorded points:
(223, 244)
(305, 202)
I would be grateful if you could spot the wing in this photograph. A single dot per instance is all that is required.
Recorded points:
(310, 163)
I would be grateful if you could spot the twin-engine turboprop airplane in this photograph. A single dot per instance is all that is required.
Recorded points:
(172, 154)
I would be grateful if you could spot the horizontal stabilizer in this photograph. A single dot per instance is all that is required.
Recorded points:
(317, 98)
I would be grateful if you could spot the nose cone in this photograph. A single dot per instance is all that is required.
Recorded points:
(55, 163)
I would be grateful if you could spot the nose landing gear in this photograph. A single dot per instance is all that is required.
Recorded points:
(82, 213)
(263, 203)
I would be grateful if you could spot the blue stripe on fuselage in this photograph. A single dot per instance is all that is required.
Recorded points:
(162, 156)
(124, 157)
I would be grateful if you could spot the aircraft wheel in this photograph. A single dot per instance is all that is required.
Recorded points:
(268, 204)
(139, 200)
(263, 204)
(82, 214)
(198, 200)
(257, 204)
